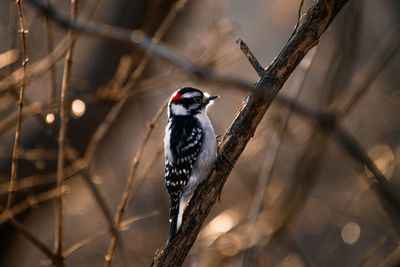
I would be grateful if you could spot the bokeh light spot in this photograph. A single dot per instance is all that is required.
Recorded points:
(351, 233)
(221, 224)
(50, 118)
(78, 108)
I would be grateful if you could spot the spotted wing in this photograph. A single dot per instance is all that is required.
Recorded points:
(184, 155)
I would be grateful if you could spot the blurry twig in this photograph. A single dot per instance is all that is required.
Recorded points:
(144, 42)
(158, 35)
(50, 47)
(274, 146)
(9, 57)
(14, 165)
(36, 242)
(58, 243)
(124, 224)
(30, 202)
(39, 68)
(141, 178)
(392, 260)
(28, 110)
(45, 179)
(112, 115)
(129, 183)
(381, 186)
(362, 80)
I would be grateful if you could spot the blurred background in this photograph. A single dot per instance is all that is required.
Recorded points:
(294, 197)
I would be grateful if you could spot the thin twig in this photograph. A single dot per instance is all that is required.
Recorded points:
(39, 68)
(12, 26)
(376, 63)
(45, 179)
(112, 115)
(273, 148)
(124, 224)
(36, 242)
(100, 201)
(141, 178)
(58, 240)
(14, 165)
(27, 111)
(9, 57)
(30, 202)
(389, 196)
(129, 183)
(50, 47)
(158, 35)
(249, 55)
(140, 40)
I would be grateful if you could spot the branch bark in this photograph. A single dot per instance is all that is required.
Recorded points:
(306, 36)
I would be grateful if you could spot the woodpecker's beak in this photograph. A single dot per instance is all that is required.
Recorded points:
(208, 99)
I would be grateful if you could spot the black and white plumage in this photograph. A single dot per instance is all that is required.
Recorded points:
(190, 149)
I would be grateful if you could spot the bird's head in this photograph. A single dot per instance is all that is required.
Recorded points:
(189, 101)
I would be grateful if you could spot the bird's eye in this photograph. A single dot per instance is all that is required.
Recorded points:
(197, 99)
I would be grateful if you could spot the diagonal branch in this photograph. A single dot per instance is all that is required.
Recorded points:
(362, 80)
(243, 127)
(36, 242)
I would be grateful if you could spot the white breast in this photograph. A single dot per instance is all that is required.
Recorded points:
(206, 158)
(167, 145)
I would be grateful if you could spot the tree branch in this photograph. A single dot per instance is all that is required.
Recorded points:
(243, 127)
(14, 164)
(58, 238)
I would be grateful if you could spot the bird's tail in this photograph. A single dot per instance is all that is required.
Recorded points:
(173, 218)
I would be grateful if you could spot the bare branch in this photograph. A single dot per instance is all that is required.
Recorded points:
(142, 41)
(252, 59)
(39, 68)
(36, 242)
(50, 46)
(273, 150)
(124, 224)
(129, 183)
(14, 165)
(387, 194)
(30, 202)
(58, 243)
(28, 110)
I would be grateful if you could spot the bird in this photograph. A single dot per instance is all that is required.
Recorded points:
(190, 149)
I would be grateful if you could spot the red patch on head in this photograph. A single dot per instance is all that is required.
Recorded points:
(177, 96)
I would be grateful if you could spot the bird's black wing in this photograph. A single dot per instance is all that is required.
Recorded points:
(186, 137)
